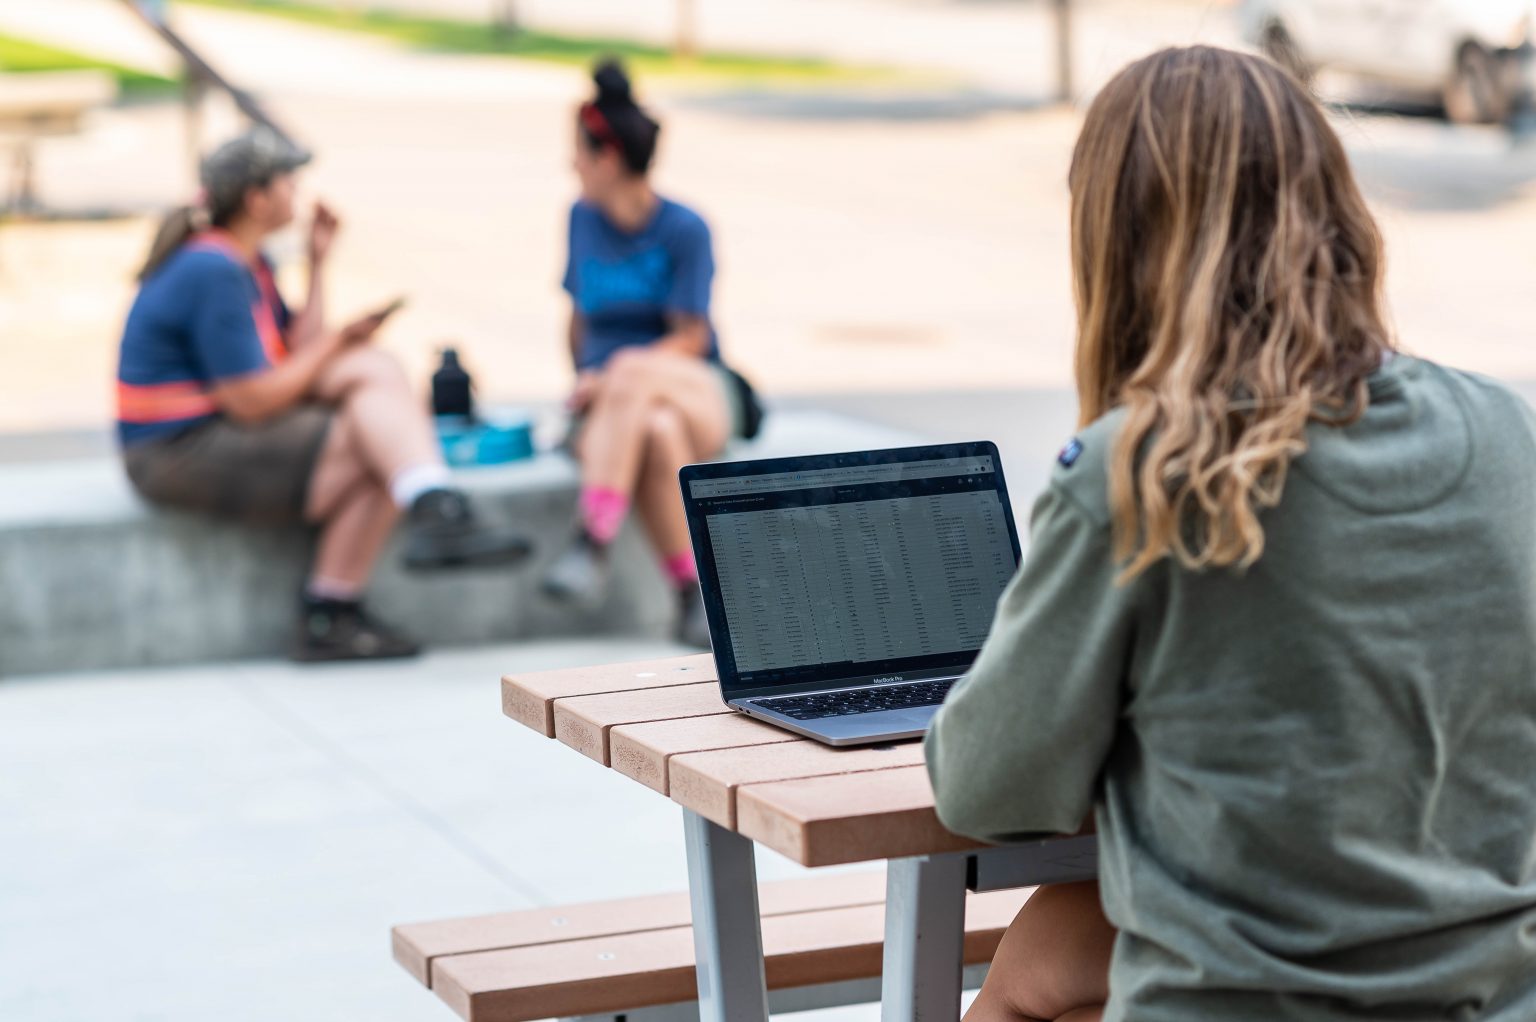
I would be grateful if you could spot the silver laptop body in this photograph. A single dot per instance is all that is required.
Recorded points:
(845, 592)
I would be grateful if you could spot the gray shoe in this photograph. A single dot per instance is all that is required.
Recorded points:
(692, 621)
(330, 631)
(441, 531)
(579, 576)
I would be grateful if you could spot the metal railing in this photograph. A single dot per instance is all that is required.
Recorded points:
(201, 76)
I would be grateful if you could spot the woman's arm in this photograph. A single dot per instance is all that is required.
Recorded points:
(573, 332)
(309, 323)
(256, 397)
(1018, 746)
(689, 335)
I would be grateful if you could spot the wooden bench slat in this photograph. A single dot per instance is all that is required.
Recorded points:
(529, 699)
(707, 782)
(823, 821)
(643, 969)
(642, 751)
(417, 945)
(583, 722)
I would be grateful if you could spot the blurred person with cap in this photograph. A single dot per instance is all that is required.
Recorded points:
(652, 393)
(232, 405)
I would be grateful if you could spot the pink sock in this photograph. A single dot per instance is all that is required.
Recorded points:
(602, 512)
(681, 570)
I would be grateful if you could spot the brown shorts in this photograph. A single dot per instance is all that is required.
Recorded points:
(258, 474)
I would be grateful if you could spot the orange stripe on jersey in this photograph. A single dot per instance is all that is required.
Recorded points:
(163, 402)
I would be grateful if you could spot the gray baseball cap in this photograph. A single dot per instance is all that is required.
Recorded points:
(250, 160)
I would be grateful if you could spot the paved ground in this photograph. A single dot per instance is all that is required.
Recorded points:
(235, 841)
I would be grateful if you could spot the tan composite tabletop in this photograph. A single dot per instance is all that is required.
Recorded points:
(662, 724)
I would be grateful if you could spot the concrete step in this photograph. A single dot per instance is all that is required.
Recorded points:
(92, 577)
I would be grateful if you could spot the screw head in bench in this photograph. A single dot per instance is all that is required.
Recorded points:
(559, 921)
(606, 956)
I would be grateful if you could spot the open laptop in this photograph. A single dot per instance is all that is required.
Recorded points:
(847, 592)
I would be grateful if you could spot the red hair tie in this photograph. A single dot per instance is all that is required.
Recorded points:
(593, 120)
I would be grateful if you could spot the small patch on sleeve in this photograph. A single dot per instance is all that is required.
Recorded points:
(1070, 453)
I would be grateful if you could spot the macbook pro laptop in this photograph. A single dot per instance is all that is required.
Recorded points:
(847, 592)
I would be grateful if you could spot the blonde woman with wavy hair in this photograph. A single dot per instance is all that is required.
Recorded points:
(1276, 632)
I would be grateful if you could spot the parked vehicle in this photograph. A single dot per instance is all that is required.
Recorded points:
(1477, 55)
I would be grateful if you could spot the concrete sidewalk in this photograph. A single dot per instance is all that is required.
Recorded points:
(234, 842)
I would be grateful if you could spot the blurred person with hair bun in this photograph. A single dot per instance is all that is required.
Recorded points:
(652, 393)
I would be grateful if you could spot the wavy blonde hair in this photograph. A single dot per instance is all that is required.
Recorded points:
(1227, 277)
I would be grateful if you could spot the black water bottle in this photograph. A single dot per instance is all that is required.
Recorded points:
(451, 387)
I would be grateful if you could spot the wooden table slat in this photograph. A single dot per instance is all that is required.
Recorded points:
(529, 699)
(583, 722)
(707, 782)
(642, 751)
(820, 821)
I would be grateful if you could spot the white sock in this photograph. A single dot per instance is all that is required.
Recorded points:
(322, 588)
(410, 483)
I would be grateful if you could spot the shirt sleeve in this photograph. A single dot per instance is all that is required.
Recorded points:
(693, 271)
(1018, 746)
(223, 334)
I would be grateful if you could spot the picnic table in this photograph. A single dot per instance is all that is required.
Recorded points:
(741, 783)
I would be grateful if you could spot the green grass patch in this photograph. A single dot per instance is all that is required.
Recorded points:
(22, 56)
(450, 36)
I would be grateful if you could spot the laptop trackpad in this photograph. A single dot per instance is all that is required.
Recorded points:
(886, 725)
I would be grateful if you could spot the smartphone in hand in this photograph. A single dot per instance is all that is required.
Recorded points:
(389, 310)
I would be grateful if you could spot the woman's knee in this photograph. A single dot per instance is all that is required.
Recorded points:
(364, 366)
(1055, 955)
(667, 443)
(631, 372)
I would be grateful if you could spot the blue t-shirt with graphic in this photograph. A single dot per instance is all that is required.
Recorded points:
(627, 285)
(190, 327)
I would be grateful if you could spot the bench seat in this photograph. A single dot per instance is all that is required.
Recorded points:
(95, 578)
(616, 957)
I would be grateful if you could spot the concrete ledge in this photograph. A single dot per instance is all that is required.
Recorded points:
(93, 577)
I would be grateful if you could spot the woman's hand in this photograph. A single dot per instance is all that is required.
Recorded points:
(322, 234)
(588, 381)
(362, 329)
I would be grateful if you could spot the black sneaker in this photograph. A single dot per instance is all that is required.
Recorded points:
(331, 630)
(579, 576)
(441, 532)
(692, 621)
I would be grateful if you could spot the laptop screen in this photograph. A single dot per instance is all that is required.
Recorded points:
(851, 567)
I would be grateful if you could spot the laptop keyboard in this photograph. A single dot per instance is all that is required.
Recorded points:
(859, 700)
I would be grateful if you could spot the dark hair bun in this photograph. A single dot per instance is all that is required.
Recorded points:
(612, 83)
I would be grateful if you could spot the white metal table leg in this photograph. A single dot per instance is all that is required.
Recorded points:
(924, 939)
(727, 929)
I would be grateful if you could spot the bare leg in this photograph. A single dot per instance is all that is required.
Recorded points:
(668, 447)
(1053, 962)
(353, 507)
(613, 440)
(354, 535)
(1083, 1015)
(390, 428)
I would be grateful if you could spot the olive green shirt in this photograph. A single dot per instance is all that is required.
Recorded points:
(1315, 781)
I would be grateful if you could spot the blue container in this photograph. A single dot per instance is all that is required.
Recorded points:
(496, 441)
